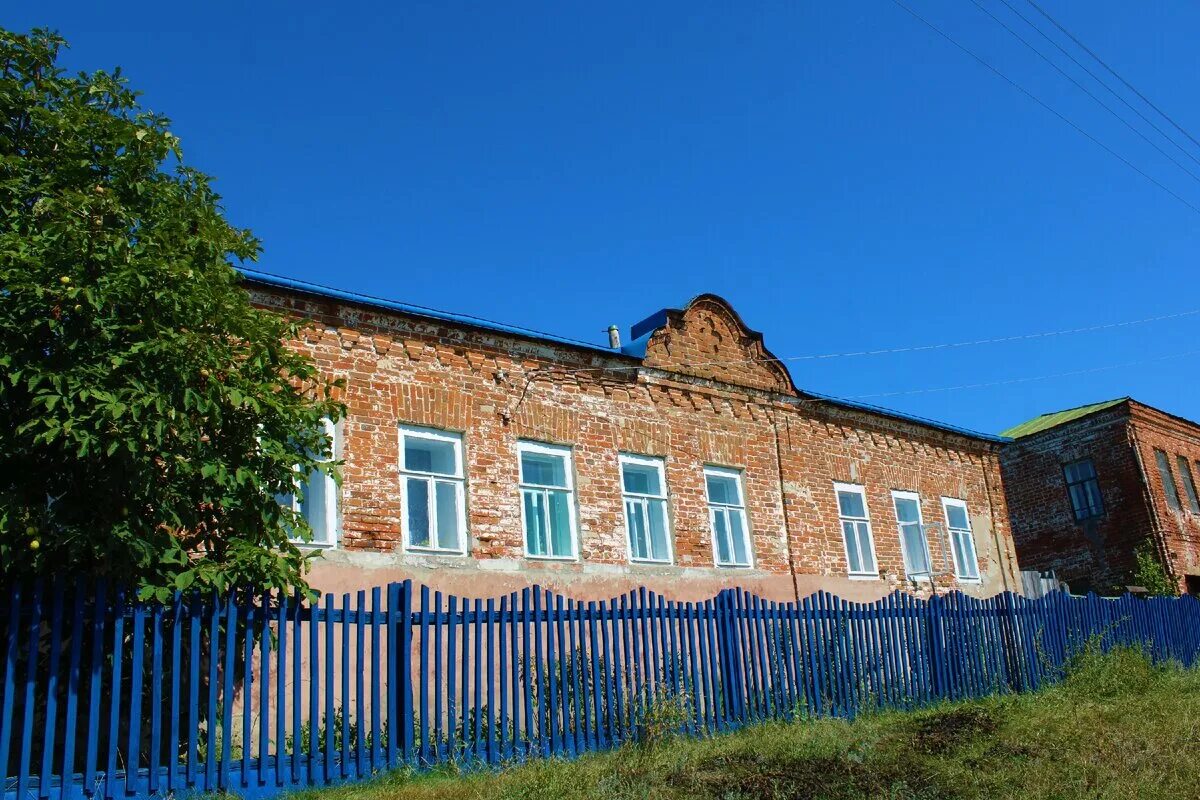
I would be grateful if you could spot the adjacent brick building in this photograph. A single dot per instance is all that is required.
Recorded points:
(481, 457)
(1087, 486)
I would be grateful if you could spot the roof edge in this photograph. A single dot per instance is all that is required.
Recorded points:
(319, 290)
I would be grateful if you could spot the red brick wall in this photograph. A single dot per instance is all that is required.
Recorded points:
(497, 390)
(1093, 554)
(1099, 554)
(1179, 529)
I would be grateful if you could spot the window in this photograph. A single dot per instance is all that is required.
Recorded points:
(431, 468)
(547, 500)
(644, 490)
(1189, 486)
(1168, 480)
(1084, 489)
(856, 530)
(958, 524)
(727, 516)
(912, 534)
(316, 501)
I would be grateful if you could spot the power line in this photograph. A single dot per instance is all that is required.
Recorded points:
(1113, 72)
(1101, 81)
(923, 347)
(1084, 89)
(1044, 105)
(1011, 381)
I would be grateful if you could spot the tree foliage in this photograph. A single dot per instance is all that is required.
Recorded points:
(149, 414)
(1150, 574)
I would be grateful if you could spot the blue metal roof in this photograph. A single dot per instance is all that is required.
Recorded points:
(634, 350)
(318, 290)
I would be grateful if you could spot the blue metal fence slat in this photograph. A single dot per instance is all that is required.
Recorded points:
(298, 744)
(451, 673)
(596, 726)
(281, 650)
(553, 671)
(502, 628)
(437, 677)
(49, 727)
(566, 742)
(114, 694)
(465, 704)
(248, 677)
(137, 659)
(538, 671)
(361, 723)
(579, 712)
(264, 689)
(376, 680)
(30, 681)
(156, 696)
(514, 676)
(490, 676)
(477, 749)
(423, 751)
(328, 720)
(195, 623)
(231, 627)
(616, 628)
(74, 684)
(345, 705)
(11, 659)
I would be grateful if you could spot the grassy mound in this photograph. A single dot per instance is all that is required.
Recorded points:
(1115, 727)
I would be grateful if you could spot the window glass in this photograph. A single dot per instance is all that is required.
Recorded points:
(645, 508)
(856, 530)
(727, 517)
(434, 493)
(1083, 488)
(547, 500)
(912, 535)
(1189, 486)
(958, 528)
(1168, 480)
(438, 456)
(316, 501)
(543, 469)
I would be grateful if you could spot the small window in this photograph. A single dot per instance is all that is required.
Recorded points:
(434, 510)
(727, 516)
(856, 530)
(1189, 485)
(316, 501)
(1083, 489)
(547, 500)
(958, 526)
(1168, 480)
(644, 490)
(913, 545)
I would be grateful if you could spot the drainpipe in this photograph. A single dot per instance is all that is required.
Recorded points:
(787, 528)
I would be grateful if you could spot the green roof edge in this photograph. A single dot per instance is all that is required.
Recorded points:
(1056, 418)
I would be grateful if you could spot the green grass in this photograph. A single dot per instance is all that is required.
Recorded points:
(1116, 727)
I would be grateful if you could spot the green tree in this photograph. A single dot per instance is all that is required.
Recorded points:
(1149, 572)
(149, 414)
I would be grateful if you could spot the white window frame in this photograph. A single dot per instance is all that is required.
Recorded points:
(952, 534)
(898, 494)
(329, 489)
(458, 480)
(715, 508)
(858, 489)
(557, 450)
(645, 500)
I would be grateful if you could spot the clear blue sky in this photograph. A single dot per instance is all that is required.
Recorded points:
(844, 177)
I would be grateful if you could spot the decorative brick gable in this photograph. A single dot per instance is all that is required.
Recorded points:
(707, 339)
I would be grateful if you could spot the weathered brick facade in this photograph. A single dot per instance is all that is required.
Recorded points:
(1098, 553)
(696, 389)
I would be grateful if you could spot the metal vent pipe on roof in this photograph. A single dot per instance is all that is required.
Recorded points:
(614, 337)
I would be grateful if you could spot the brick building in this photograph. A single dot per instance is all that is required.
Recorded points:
(1087, 486)
(480, 458)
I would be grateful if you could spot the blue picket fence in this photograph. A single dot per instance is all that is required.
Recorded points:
(107, 697)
